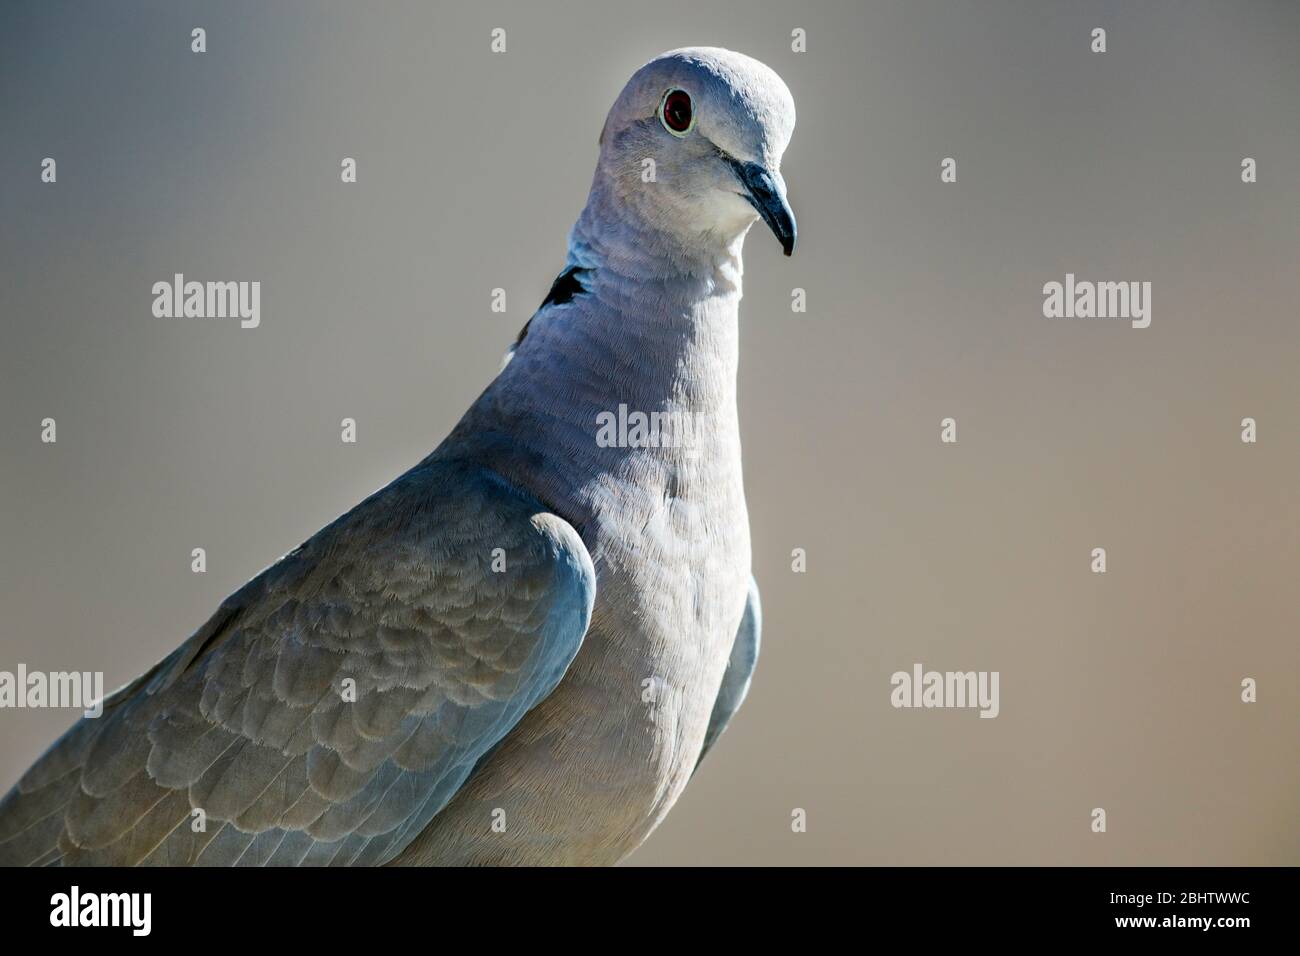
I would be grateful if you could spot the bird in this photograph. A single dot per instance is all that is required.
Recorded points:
(518, 651)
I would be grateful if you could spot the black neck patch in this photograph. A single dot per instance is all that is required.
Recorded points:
(566, 286)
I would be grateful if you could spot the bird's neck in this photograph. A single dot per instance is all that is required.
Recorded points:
(643, 339)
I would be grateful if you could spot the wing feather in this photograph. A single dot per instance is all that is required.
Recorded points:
(333, 704)
(739, 672)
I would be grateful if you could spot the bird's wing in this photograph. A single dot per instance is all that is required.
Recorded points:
(334, 704)
(740, 670)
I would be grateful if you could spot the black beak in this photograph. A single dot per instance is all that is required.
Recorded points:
(767, 196)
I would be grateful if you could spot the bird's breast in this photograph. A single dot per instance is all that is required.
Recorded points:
(588, 773)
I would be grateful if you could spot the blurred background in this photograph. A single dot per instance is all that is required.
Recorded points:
(1119, 691)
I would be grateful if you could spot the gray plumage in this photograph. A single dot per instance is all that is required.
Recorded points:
(248, 720)
(740, 670)
(518, 651)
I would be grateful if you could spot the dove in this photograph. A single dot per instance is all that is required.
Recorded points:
(518, 651)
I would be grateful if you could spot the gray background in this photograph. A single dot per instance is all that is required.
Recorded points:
(1119, 691)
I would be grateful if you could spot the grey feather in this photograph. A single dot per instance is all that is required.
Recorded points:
(740, 670)
(247, 721)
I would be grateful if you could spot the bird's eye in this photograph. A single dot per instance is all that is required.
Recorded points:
(675, 112)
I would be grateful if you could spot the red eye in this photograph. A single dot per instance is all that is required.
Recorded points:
(675, 112)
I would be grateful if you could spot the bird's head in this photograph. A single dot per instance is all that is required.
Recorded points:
(692, 149)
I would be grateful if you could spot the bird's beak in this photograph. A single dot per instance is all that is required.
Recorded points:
(766, 193)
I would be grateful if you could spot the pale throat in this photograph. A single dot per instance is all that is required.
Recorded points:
(640, 234)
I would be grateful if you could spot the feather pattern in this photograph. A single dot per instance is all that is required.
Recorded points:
(332, 705)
